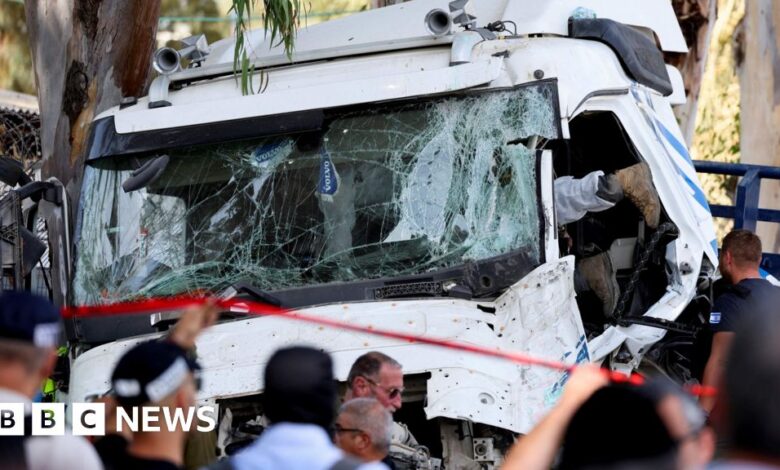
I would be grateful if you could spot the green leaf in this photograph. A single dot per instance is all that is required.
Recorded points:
(281, 19)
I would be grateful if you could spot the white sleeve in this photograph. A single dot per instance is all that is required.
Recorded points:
(57, 452)
(576, 197)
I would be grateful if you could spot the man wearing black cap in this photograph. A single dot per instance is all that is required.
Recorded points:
(300, 402)
(159, 374)
(29, 332)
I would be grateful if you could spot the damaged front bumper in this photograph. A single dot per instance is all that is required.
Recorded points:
(536, 316)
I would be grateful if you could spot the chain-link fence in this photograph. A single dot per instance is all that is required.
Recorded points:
(20, 128)
(20, 139)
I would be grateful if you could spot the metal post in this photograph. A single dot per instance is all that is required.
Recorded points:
(748, 191)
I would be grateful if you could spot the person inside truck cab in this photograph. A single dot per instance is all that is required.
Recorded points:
(747, 295)
(597, 192)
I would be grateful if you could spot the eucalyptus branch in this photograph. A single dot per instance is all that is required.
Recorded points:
(281, 19)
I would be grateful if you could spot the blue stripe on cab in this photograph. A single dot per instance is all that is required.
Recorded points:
(675, 143)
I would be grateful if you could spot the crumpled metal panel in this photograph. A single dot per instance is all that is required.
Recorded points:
(537, 316)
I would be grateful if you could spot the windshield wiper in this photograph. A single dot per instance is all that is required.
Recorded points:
(255, 292)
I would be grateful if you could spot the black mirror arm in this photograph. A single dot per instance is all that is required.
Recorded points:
(40, 189)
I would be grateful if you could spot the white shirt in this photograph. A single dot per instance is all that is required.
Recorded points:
(293, 446)
(54, 452)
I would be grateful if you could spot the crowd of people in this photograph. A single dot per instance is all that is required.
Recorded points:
(310, 427)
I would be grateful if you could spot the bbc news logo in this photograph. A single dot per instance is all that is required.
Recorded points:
(89, 419)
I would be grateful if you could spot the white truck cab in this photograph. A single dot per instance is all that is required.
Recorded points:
(398, 172)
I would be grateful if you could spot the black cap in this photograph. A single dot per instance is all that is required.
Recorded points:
(150, 371)
(30, 318)
(299, 387)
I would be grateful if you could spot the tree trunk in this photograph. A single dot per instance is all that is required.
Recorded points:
(697, 18)
(760, 102)
(87, 55)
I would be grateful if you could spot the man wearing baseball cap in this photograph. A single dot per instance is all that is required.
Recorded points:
(160, 374)
(29, 334)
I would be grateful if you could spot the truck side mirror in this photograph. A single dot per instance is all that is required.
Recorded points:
(146, 174)
(12, 172)
(20, 249)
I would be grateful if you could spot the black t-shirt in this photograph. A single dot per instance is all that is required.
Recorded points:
(732, 305)
(740, 301)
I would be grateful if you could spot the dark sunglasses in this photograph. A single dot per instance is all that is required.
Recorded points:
(392, 393)
(339, 429)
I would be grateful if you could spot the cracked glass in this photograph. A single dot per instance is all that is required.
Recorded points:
(389, 191)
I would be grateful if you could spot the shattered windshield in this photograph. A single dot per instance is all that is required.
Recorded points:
(397, 190)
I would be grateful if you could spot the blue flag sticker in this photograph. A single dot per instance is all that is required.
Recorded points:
(329, 179)
(714, 318)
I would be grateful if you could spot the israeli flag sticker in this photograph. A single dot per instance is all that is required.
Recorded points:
(714, 318)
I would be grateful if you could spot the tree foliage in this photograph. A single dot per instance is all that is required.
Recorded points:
(281, 19)
(188, 9)
(717, 135)
(15, 62)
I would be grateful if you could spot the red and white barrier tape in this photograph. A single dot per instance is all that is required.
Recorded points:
(253, 308)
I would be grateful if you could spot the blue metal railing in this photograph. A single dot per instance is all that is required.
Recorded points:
(746, 211)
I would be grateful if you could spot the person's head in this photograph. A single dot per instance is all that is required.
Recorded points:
(740, 255)
(752, 386)
(363, 429)
(156, 374)
(300, 388)
(379, 376)
(29, 333)
(621, 427)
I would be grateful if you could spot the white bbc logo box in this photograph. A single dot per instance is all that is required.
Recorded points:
(11, 419)
(48, 419)
(89, 419)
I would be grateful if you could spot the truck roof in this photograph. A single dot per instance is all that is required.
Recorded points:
(387, 54)
(403, 26)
